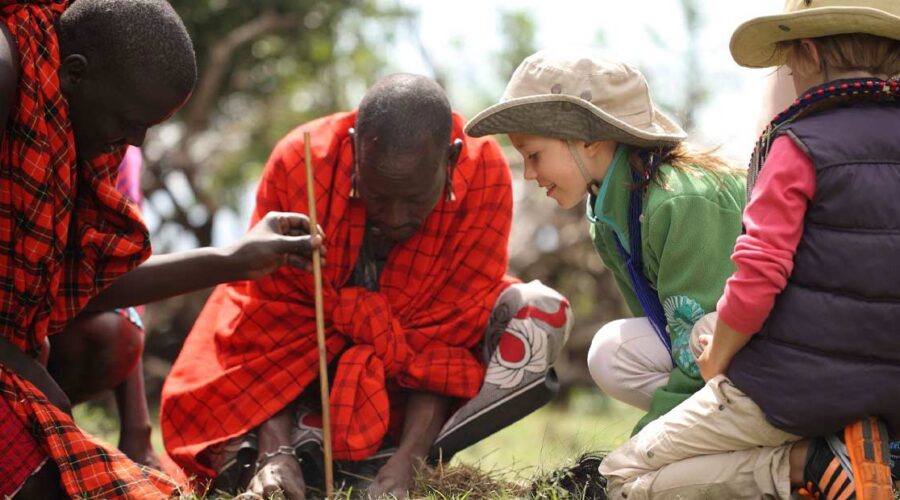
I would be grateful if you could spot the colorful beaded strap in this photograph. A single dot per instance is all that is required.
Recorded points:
(829, 95)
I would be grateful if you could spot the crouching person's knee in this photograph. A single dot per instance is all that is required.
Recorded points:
(601, 359)
(628, 362)
(529, 308)
(119, 343)
(618, 472)
(96, 352)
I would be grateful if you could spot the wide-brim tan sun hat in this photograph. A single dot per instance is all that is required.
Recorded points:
(577, 94)
(754, 43)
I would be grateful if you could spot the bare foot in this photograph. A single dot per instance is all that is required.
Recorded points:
(280, 477)
(136, 446)
(395, 478)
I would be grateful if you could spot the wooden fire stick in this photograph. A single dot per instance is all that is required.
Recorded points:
(320, 322)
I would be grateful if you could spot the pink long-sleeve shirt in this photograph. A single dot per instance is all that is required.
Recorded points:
(773, 219)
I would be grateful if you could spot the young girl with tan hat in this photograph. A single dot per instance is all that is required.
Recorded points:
(806, 342)
(663, 218)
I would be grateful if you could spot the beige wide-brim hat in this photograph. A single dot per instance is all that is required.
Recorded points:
(754, 43)
(578, 94)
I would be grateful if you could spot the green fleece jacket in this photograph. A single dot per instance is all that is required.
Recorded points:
(690, 220)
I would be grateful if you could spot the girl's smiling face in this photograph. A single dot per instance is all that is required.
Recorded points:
(549, 162)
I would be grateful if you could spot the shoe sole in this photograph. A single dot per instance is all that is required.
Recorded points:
(867, 447)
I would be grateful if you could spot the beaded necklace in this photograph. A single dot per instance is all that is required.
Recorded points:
(826, 96)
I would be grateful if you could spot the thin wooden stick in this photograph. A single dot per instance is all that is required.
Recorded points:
(320, 322)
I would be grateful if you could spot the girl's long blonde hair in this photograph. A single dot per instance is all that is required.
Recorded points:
(685, 158)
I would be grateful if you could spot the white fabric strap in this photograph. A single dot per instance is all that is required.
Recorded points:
(591, 183)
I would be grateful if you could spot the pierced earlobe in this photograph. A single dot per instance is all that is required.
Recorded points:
(354, 193)
(455, 149)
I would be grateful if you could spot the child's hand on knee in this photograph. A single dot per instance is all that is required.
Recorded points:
(708, 368)
(719, 349)
(705, 340)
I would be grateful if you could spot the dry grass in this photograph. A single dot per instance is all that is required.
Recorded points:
(464, 482)
(577, 480)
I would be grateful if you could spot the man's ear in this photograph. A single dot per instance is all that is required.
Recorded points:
(453, 153)
(72, 71)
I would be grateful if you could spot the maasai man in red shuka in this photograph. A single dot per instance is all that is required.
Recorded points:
(416, 218)
(77, 93)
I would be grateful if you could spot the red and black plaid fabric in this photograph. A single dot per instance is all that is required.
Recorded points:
(65, 233)
(88, 468)
(20, 456)
(253, 349)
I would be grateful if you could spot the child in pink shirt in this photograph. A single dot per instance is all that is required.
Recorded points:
(773, 225)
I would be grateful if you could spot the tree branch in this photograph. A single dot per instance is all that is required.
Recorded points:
(213, 75)
(158, 184)
(439, 75)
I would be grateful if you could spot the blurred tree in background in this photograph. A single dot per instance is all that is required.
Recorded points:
(519, 32)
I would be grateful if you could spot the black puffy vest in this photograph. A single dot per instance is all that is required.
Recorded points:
(829, 352)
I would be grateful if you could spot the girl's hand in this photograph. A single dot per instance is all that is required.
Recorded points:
(279, 238)
(709, 367)
(719, 349)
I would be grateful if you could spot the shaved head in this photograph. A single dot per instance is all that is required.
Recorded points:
(404, 113)
(125, 65)
(140, 38)
(404, 159)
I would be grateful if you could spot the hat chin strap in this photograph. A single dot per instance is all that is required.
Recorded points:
(592, 185)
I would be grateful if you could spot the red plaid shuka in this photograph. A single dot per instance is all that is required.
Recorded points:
(65, 234)
(253, 349)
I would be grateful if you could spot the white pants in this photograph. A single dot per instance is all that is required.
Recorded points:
(629, 362)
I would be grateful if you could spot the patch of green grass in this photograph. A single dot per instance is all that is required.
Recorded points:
(99, 421)
(554, 435)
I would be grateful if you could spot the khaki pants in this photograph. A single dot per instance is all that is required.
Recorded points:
(716, 445)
